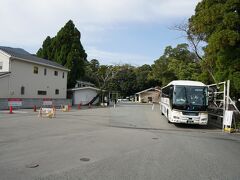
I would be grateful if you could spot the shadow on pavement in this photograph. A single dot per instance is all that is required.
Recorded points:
(195, 126)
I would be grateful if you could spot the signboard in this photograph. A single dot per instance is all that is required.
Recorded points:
(47, 102)
(15, 102)
(227, 120)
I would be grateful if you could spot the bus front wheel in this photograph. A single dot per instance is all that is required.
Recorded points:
(161, 110)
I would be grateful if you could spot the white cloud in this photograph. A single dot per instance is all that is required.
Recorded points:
(113, 58)
(26, 23)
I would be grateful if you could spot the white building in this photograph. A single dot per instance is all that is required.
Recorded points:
(85, 95)
(23, 75)
(148, 96)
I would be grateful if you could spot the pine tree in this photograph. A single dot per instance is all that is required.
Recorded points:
(66, 49)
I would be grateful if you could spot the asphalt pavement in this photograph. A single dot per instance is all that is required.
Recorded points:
(131, 141)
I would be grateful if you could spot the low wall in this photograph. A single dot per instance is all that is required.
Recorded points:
(215, 121)
(30, 103)
(218, 122)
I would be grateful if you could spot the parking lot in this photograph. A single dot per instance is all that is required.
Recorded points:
(131, 141)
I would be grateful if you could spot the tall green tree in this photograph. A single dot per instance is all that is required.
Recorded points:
(125, 80)
(66, 49)
(143, 79)
(46, 50)
(176, 63)
(100, 75)
(218, 22)
(91, 70)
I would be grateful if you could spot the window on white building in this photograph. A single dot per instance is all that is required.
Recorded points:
(56, 73)
(22, 90)
(45, 71)
(35, 70)
(56, 91)
(1, 65)
(42, 92)
(63, 75)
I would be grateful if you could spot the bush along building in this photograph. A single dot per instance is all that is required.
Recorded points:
(27, 80)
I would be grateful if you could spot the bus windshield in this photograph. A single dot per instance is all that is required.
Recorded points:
(190, 97)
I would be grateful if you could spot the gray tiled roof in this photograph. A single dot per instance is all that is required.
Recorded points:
(19, 53)
(85, 83)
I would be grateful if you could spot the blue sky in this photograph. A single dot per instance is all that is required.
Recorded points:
(114, 32)
(145, 43)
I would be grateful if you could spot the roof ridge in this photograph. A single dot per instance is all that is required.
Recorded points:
(22, 54)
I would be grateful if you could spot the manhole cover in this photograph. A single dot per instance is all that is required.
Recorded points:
(154, 138)
(32, 165)
(85, 159)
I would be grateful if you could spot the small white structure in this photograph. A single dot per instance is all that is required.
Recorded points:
(148, 96)
(23, 75)
(85, 95)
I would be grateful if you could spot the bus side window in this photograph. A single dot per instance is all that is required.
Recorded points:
(165, 92)
(171, 89)
(171, 92)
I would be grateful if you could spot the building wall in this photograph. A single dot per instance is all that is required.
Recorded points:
(143, 97)
(5, 61)
(84, 96)
(22, 75)
(30, 103)
(4, 85)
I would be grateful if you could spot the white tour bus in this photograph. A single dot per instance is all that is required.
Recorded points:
(185, 102)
